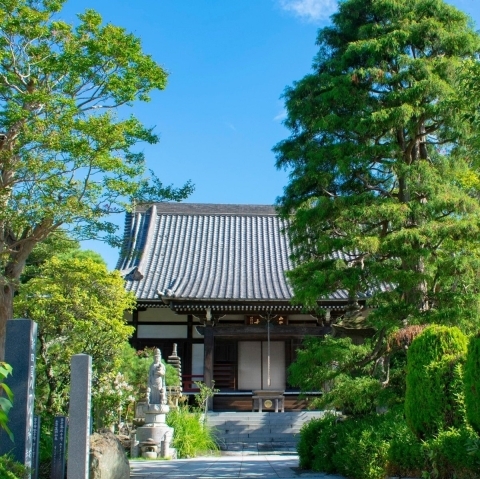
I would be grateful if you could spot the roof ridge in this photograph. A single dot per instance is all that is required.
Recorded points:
(210, 209)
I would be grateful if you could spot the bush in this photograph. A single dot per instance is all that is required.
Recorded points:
(10, 469)
(355, 447)
(434, 395)
(448, 454)
(406, 456)
(362, 445)
(472, 383)
(315, 435)
(191, 436)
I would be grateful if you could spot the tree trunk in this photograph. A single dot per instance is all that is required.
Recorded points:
(6, 313)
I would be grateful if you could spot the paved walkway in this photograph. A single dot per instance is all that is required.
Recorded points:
(264, 466)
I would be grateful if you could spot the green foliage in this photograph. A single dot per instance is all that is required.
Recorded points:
(448, 454)
(203, 396)
(10, 469)
(406, 455)
(67, 158)
(5, 402)
(377, 446)
(364, 448)
(383, 162)
(310, 433)
(359, 395)
(334, 366)
(434, 395)
(79, 306)
(355, 447)
(472, 383)
(191, 437)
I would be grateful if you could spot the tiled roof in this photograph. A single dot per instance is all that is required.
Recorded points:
(207, 252)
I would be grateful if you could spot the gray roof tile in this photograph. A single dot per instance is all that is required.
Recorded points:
(207, 252)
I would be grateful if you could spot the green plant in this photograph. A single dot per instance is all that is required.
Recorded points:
(472, 383)
(434, 395)
(323, 446)
(357, 447)
(353, 395)
(191, 436)
(406, 455)
(5, 402)
(205, 393)
(362, 445)
(310, 432)
(448, 454)
(10, 469)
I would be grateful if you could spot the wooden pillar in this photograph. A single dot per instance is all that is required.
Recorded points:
(208, 360)
(134, 338)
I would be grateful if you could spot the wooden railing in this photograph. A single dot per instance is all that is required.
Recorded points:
(188, 382)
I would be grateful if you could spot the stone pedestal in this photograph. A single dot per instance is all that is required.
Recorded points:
(155, 437)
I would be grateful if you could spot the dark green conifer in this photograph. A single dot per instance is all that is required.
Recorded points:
(434, 396)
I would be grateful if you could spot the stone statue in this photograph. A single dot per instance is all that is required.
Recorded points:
(157, 392)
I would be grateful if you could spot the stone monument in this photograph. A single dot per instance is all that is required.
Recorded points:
(174, 393)
(20, 348)
(154, 437)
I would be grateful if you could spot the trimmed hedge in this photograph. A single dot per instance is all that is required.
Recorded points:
(434, 395)
(378, 446)
(472, 383)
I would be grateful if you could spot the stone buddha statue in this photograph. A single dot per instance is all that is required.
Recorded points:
(157, 392)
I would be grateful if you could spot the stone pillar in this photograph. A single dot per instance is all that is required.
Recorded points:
(20, 352)
(79, 417)
(208, 363)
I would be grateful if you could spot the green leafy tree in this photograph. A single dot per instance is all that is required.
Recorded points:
(66, 158)
(384, 166)
(79, 306)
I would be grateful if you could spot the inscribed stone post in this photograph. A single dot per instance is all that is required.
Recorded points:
(21, 340)
(58, 453)
(35, 446)
(79, 417)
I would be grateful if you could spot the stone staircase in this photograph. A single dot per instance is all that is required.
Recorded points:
(259, 433)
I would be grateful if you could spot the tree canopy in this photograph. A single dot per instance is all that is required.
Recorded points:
(67, 159)
(384, 166)
(79, 307)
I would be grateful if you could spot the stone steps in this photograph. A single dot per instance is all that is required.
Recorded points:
(241, 430)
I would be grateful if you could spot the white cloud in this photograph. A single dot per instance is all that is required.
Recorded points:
(311, 10)
(281, 115)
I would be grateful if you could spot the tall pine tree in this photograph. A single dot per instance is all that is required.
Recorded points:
(383, 162)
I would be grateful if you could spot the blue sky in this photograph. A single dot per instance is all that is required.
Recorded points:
(221, 113)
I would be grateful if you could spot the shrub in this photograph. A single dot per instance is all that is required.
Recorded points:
(10, 469)
(357, 447)
(310, 435)
(472, 383)
(362, 445)
(448, 454)
(191, 436)
(434, 395)
(406, 456)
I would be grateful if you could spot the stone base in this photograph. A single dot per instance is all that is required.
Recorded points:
(156, 409)
(155, 432)
(151, 419)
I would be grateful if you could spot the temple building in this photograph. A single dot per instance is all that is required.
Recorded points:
(211, 278)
